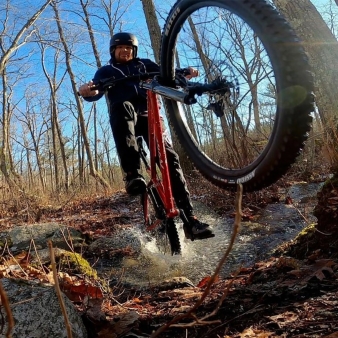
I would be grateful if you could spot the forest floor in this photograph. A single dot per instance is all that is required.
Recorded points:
(294, 294)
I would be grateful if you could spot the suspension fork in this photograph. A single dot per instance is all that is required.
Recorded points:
(157, 149)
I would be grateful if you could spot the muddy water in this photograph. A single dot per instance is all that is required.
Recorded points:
(257, 240)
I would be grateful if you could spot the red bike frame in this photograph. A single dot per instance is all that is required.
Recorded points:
(158, 156)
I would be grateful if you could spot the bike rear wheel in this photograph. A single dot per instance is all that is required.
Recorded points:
(252, 132)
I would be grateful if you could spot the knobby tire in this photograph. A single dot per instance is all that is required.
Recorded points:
(165, 233)
(292, 85)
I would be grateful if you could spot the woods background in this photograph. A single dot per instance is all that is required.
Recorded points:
(53, 143)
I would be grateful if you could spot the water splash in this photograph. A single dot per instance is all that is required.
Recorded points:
(256, 240)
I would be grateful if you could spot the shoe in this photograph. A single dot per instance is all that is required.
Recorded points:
(194, 229)
(135, 184)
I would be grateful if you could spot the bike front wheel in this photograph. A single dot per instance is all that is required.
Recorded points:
(253, 130)
(162, 228)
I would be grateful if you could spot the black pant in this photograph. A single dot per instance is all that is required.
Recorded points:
(126, 125)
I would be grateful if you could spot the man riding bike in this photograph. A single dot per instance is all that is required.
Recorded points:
(129, 119)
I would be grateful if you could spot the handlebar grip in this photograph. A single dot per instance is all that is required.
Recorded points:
(93, 87)
(183, 71)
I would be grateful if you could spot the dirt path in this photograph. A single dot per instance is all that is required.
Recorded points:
(294, 294)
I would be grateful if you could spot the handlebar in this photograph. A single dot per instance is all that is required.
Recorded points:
(104, 84)
(187, 96)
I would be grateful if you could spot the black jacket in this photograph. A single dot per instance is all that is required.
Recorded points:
(128, 90)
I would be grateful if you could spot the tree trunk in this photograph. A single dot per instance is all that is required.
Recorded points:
(153, 27)
(322, 49)
(5, 160)
(16, 42)
(92, 170)
(155, 37)
(90, 32)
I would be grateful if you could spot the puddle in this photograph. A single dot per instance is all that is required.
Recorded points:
(256, 240)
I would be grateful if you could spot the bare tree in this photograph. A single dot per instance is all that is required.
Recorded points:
(21, 37)
(114, 10)
(92, 170)
(18, 41)
(153, 27)
(34, 130)
(84, 5)
(57, 137)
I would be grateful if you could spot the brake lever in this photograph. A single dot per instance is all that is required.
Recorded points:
(181, 80)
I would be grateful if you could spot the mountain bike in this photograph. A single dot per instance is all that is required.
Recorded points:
(246, 117)
(159, 209)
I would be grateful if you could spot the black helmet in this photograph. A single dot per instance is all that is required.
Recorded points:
(123, 38)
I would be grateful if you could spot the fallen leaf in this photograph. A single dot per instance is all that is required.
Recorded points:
(204, 282)
(254, 333)
(288, 200)
(76, 292)
(332, 200)
(288, 262)
(284, 319)
(23, 257)
(332, 335)
(315, 270)
(137, 300)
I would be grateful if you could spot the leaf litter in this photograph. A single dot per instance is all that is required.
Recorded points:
(280, 297)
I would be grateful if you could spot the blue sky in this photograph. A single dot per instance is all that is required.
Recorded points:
(83, 63)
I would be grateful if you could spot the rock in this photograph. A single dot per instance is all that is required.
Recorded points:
(121, 325)
(43, 256)
(70, 262)
(19, 238)
(174, 283)
(37, 312)
(124, 239)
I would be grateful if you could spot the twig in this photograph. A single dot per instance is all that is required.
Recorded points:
(190, 313)
(15, 260)
(223, 296)
(38, 257)
(70, 245)
(58, 290)
(5, 302)
(301, 214)
(323, 233)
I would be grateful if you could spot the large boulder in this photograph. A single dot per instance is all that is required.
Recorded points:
(20, 237)
(37, 312)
